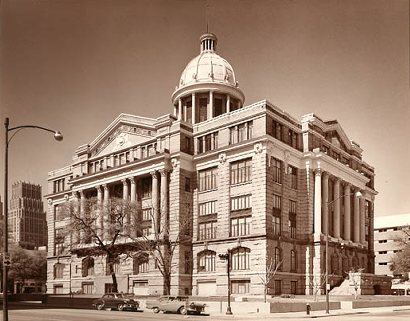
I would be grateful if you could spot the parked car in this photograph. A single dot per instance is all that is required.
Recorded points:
(116, 301)
(176, 304)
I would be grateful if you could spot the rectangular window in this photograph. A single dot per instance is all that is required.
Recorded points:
(277, 130)
(207, 179)
(241, 202)
(207, 230)
(203, 109)
(87, 288)
(146, 231)
(383, 241)
(146, 214)
(382, 252)
(187, 184)
(207, 262)
(241, 171)
(59, 240)
(240, 286)
(293, 287)
(292, 171)
(58, 289)
(146, 187)
(278, 287)
(277, 203)
(207, 208)
(292, 219)
(276, 225)
(277, 170)
(241, 132)
(241, 226)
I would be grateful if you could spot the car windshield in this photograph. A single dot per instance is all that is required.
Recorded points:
(120, 295)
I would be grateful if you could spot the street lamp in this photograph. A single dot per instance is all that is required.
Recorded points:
(328, 204)
(227, 257)
(6, 258)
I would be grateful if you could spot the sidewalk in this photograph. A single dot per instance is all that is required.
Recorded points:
(303, 315)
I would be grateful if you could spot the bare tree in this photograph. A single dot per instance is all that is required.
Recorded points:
(400, 262)
(355, 280)
(159, 242)
(270, 271)
(117, 228)
(319, 282)
(98, 229)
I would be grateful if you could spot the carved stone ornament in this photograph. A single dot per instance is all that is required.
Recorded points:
(174, 162)
(258, 148)
(222, 158)
(66, 197)
(50, 201)
(286, 156)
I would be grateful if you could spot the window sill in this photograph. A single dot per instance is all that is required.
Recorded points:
(241, 183)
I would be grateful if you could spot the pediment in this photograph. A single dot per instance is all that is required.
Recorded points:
(124, 132)
(336, 135)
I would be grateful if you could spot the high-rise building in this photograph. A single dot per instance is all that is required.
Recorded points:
(252, 181)
(27, 223)
(388, 230)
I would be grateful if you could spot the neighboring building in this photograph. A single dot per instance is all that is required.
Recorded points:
(250, 179)
(387, 230)
(27, 220)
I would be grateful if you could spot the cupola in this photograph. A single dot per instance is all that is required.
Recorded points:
(207, 87)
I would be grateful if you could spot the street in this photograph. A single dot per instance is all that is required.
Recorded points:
(30, 314)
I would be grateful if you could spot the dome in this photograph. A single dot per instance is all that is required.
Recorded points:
(207, 70)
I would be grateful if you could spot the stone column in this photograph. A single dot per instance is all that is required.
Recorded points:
(82, 215)
(325, 202)
(193, 108)
(179, 109)
(318, 205)
(211, 104)
(77, 236)
(362, 218)
(356, 232)
(105, 202)
(100, 212)
(133, 189)
(155, 199)
(336, 212)
(346, 196)
(164, 201)
(175, 111)
(228, 103)
(124, 189)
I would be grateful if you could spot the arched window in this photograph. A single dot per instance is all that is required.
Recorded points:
(87, 267)
(141, 263)
(206, 261)
(240, 258)
(278, 259)
(292, 261)
(58, 270)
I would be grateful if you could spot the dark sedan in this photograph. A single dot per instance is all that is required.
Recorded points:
(116, 301)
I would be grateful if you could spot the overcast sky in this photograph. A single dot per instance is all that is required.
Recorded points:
(75, 65)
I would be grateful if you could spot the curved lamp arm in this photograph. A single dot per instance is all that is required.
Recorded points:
(57, 134)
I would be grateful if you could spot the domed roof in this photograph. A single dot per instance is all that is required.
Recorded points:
(207, 68)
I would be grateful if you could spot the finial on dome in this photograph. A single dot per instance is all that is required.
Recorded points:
(208, 42)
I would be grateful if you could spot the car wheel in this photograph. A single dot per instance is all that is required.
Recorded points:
(99, 306)
(120, 307)
(182, 310)
(155, 310)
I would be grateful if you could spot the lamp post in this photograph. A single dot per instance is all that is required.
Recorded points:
(227, 257)
(6, 257)
(328, 204)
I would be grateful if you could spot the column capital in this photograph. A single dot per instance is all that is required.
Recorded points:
(75, 194)
(124, 181)
(164, 171)
(105, 186)
(132, 180)
(81, 193)
(318, 171)
(154, 174)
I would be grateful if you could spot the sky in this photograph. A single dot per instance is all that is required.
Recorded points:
(74, 66)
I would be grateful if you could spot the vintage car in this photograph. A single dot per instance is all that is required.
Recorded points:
(177, 304)
(116, 301)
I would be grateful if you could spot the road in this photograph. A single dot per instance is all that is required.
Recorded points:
(30, 314)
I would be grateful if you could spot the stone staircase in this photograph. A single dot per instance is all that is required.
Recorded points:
(343, 289)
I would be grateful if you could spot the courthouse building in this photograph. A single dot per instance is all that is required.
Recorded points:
(27, 218)
(250, 179)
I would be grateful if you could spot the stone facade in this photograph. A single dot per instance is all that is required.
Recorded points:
(246, 180)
